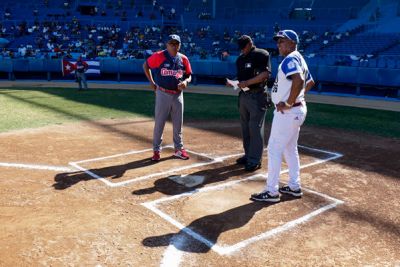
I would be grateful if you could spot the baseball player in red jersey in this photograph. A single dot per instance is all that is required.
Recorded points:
(169, 73)
(80, 68)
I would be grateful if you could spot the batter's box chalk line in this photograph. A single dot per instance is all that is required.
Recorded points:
(208, 160)
(225, 250)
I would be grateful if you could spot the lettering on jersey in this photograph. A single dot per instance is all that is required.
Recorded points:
(275, 86)
(176, 73)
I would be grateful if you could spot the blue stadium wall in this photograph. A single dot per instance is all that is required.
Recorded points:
(323, 74)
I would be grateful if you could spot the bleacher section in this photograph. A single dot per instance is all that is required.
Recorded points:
(125, 29)
(361, 44)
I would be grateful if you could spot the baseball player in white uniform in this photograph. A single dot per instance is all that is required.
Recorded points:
(292, 81)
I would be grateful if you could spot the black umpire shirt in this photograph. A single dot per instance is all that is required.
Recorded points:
(250, 65)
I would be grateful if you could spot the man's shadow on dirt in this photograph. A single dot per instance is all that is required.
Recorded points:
(212, 175)
(211, 227)
(68, 179)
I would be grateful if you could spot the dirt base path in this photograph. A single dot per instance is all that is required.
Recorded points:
(61, 216)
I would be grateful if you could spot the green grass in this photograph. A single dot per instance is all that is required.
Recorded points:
(27, 108)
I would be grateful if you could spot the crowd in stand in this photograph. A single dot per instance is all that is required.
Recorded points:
(55, 40)
(58, 40)
(51, 39)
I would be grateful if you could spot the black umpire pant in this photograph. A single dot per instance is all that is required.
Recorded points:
(252, 119)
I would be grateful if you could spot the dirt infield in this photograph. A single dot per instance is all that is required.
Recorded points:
(138, 213)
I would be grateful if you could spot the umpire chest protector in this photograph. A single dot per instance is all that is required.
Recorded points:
(250, 65)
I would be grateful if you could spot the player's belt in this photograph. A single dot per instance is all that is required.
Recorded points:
(255, 90)
(174, 92)
(297, 104)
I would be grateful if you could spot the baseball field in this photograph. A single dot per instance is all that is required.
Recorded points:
(77, 187)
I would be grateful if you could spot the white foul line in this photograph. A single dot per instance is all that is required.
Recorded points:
(223, 250)
(36, 167)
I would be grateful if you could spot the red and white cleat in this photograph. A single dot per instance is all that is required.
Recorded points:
(182, 154)
(156, 156)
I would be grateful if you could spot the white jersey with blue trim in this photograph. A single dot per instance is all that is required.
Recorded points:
(291, 64)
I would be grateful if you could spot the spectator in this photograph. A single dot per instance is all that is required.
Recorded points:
(204, 16)
(22, 51)
(5, 53)
(50, 46)
(224, 55)
(172, 13)
(7, 14)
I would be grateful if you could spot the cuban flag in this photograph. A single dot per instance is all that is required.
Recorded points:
(69, 66)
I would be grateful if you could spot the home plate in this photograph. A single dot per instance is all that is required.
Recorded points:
(187, 180)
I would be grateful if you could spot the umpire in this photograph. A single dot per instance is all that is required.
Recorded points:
(253, 69)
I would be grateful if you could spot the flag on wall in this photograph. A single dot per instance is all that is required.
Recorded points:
(69, 66)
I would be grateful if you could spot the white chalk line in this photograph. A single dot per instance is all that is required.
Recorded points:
(36, 167)
(211, 159)
(132, 152)
(145, 177)
(91, 174)
(321, 150)
(231, 183)
(287, 226)
(223, 250)
(172, 256)
(115, 156)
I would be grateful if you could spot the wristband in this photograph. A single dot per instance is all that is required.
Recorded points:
(288, 105)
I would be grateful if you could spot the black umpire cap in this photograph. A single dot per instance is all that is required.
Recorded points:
(243, 41)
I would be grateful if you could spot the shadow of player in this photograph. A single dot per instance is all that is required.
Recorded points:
(68, 179)
(212, 226)
(167, 186)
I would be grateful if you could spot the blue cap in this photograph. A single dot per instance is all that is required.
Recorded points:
(174, 37)
(288, 34)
